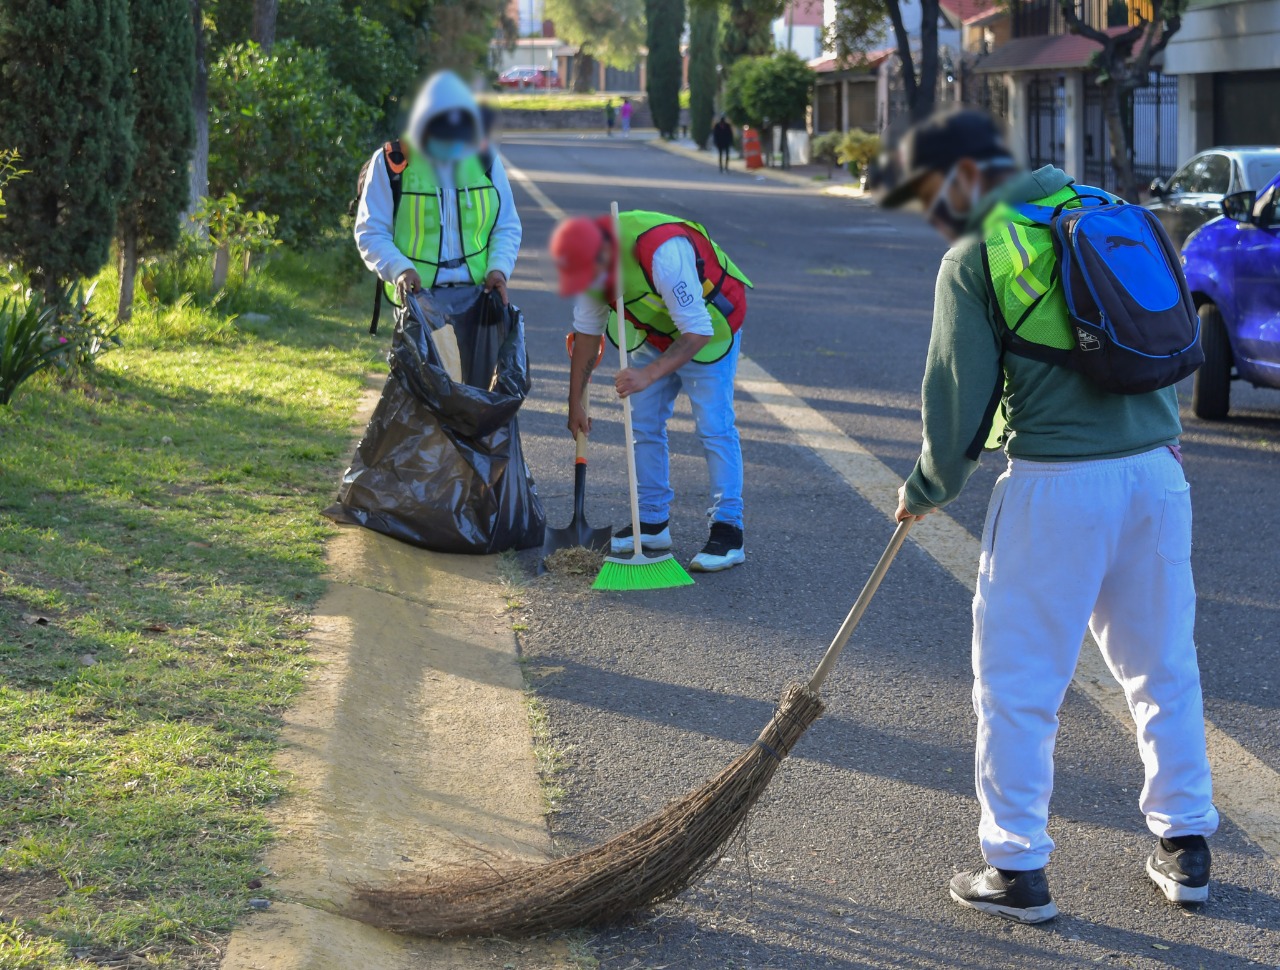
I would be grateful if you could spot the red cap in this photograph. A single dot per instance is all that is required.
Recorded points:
(575, 247)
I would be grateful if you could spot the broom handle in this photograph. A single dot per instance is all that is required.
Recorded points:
(626, 401)
(864, 599)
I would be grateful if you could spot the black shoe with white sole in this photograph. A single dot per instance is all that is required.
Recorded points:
(1021, 896)
(724, 549)
(1180, 867)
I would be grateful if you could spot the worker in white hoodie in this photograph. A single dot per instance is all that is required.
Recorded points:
(434, 210)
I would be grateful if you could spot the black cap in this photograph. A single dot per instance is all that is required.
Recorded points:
(937, 143)
(454, 124)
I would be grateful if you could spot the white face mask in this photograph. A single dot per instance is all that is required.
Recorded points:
(953, 224)
(600, 282)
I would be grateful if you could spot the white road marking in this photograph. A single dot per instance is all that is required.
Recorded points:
(540, 197)
(1245, 788)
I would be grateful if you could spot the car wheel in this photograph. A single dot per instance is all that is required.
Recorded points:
(1211, 389)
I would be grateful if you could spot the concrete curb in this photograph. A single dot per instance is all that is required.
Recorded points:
(709, 158)
(410, 750)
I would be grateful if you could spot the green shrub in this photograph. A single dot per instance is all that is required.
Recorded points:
(285, 137)
(826, 148)
(858, 149)
(82, 335)
(27, 345)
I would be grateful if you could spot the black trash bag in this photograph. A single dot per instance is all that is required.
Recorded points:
(440, 464)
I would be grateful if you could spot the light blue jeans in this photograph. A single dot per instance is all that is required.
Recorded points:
(710, 391)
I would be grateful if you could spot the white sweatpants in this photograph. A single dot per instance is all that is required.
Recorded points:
(1103, 545)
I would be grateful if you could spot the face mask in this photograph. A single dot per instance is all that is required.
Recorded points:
(949, 223)
(600, 282)
(447, 151)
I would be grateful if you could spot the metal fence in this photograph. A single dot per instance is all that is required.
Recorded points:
(1151, 118)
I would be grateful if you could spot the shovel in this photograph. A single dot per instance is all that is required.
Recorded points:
(577, 533)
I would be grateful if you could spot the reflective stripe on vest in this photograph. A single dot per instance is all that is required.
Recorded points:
(724, 287)
(418, 220)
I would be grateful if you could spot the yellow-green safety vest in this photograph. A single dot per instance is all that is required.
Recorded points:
(417, 227)
(723, 285)
(1022, 281)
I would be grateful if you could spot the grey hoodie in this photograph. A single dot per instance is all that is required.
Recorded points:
(374, 229)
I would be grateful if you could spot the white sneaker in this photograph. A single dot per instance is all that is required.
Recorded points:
(654, 537)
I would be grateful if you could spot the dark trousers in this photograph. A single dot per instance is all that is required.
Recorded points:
(724, 159)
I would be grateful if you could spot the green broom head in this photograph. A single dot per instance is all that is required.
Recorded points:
(623, 573)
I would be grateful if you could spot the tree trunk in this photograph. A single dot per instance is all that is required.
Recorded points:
(786, 149)
(200, 109)
(1118, 139)
(927, 89)
(264, 23)
(905, 59)
(128, 274)
(247, 261)
(221, 264)
(583, 67)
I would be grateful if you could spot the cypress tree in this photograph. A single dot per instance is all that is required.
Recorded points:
(748, 29)
(704, 35)
(666, 68)
(163, 55)
(68, 108)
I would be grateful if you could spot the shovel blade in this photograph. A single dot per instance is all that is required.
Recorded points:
(576, 534)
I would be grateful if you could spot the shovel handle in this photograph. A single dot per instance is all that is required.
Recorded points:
(580, 457)
(860, 606)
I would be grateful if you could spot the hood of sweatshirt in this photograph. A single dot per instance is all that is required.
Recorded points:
(443, 92)
(1023, 187)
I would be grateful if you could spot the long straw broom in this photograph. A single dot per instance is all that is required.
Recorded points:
(636, 571)
(645, 865)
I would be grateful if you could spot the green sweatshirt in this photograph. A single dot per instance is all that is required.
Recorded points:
(1054, 414)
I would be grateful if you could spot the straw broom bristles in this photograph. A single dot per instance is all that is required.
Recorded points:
(645, 865)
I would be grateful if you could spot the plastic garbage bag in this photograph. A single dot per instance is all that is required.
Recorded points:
(440, 464)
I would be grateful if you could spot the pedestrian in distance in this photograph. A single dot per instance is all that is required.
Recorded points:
(610, 115)
(722, 136)
(686, 301)
(1089, 528)
(434, 208)
(624, 113)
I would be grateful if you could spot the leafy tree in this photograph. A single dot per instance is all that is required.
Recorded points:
(704, 32)
(781, 90)
(606, 30)
(286, 136)
(362, 53)
(163, 54)
(1124, 65)
(665, 22)
(739, 87)
(859, 25)
(64, 82)
(748, 29)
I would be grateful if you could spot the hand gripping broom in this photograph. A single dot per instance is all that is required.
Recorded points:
(645, 865)
(636, 571)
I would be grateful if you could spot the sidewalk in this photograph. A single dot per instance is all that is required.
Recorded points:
(410, 750)
(811, 177)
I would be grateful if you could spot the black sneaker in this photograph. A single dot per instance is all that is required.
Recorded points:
(1021, 896)
(654, 537)
(722, 551)
(1180, 867)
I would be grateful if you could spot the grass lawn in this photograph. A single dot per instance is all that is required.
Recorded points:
(163, 524)
(551, 101)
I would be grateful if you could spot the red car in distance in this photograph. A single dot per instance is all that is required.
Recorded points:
(523, 78)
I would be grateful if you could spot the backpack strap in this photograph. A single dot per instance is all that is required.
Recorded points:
(395, 160)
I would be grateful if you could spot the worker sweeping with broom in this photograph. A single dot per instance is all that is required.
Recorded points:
(684, 302)
(1062, 313)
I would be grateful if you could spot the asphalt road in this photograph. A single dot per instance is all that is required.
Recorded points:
(845, 862)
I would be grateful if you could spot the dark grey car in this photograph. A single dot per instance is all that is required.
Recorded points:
(1193, 194)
